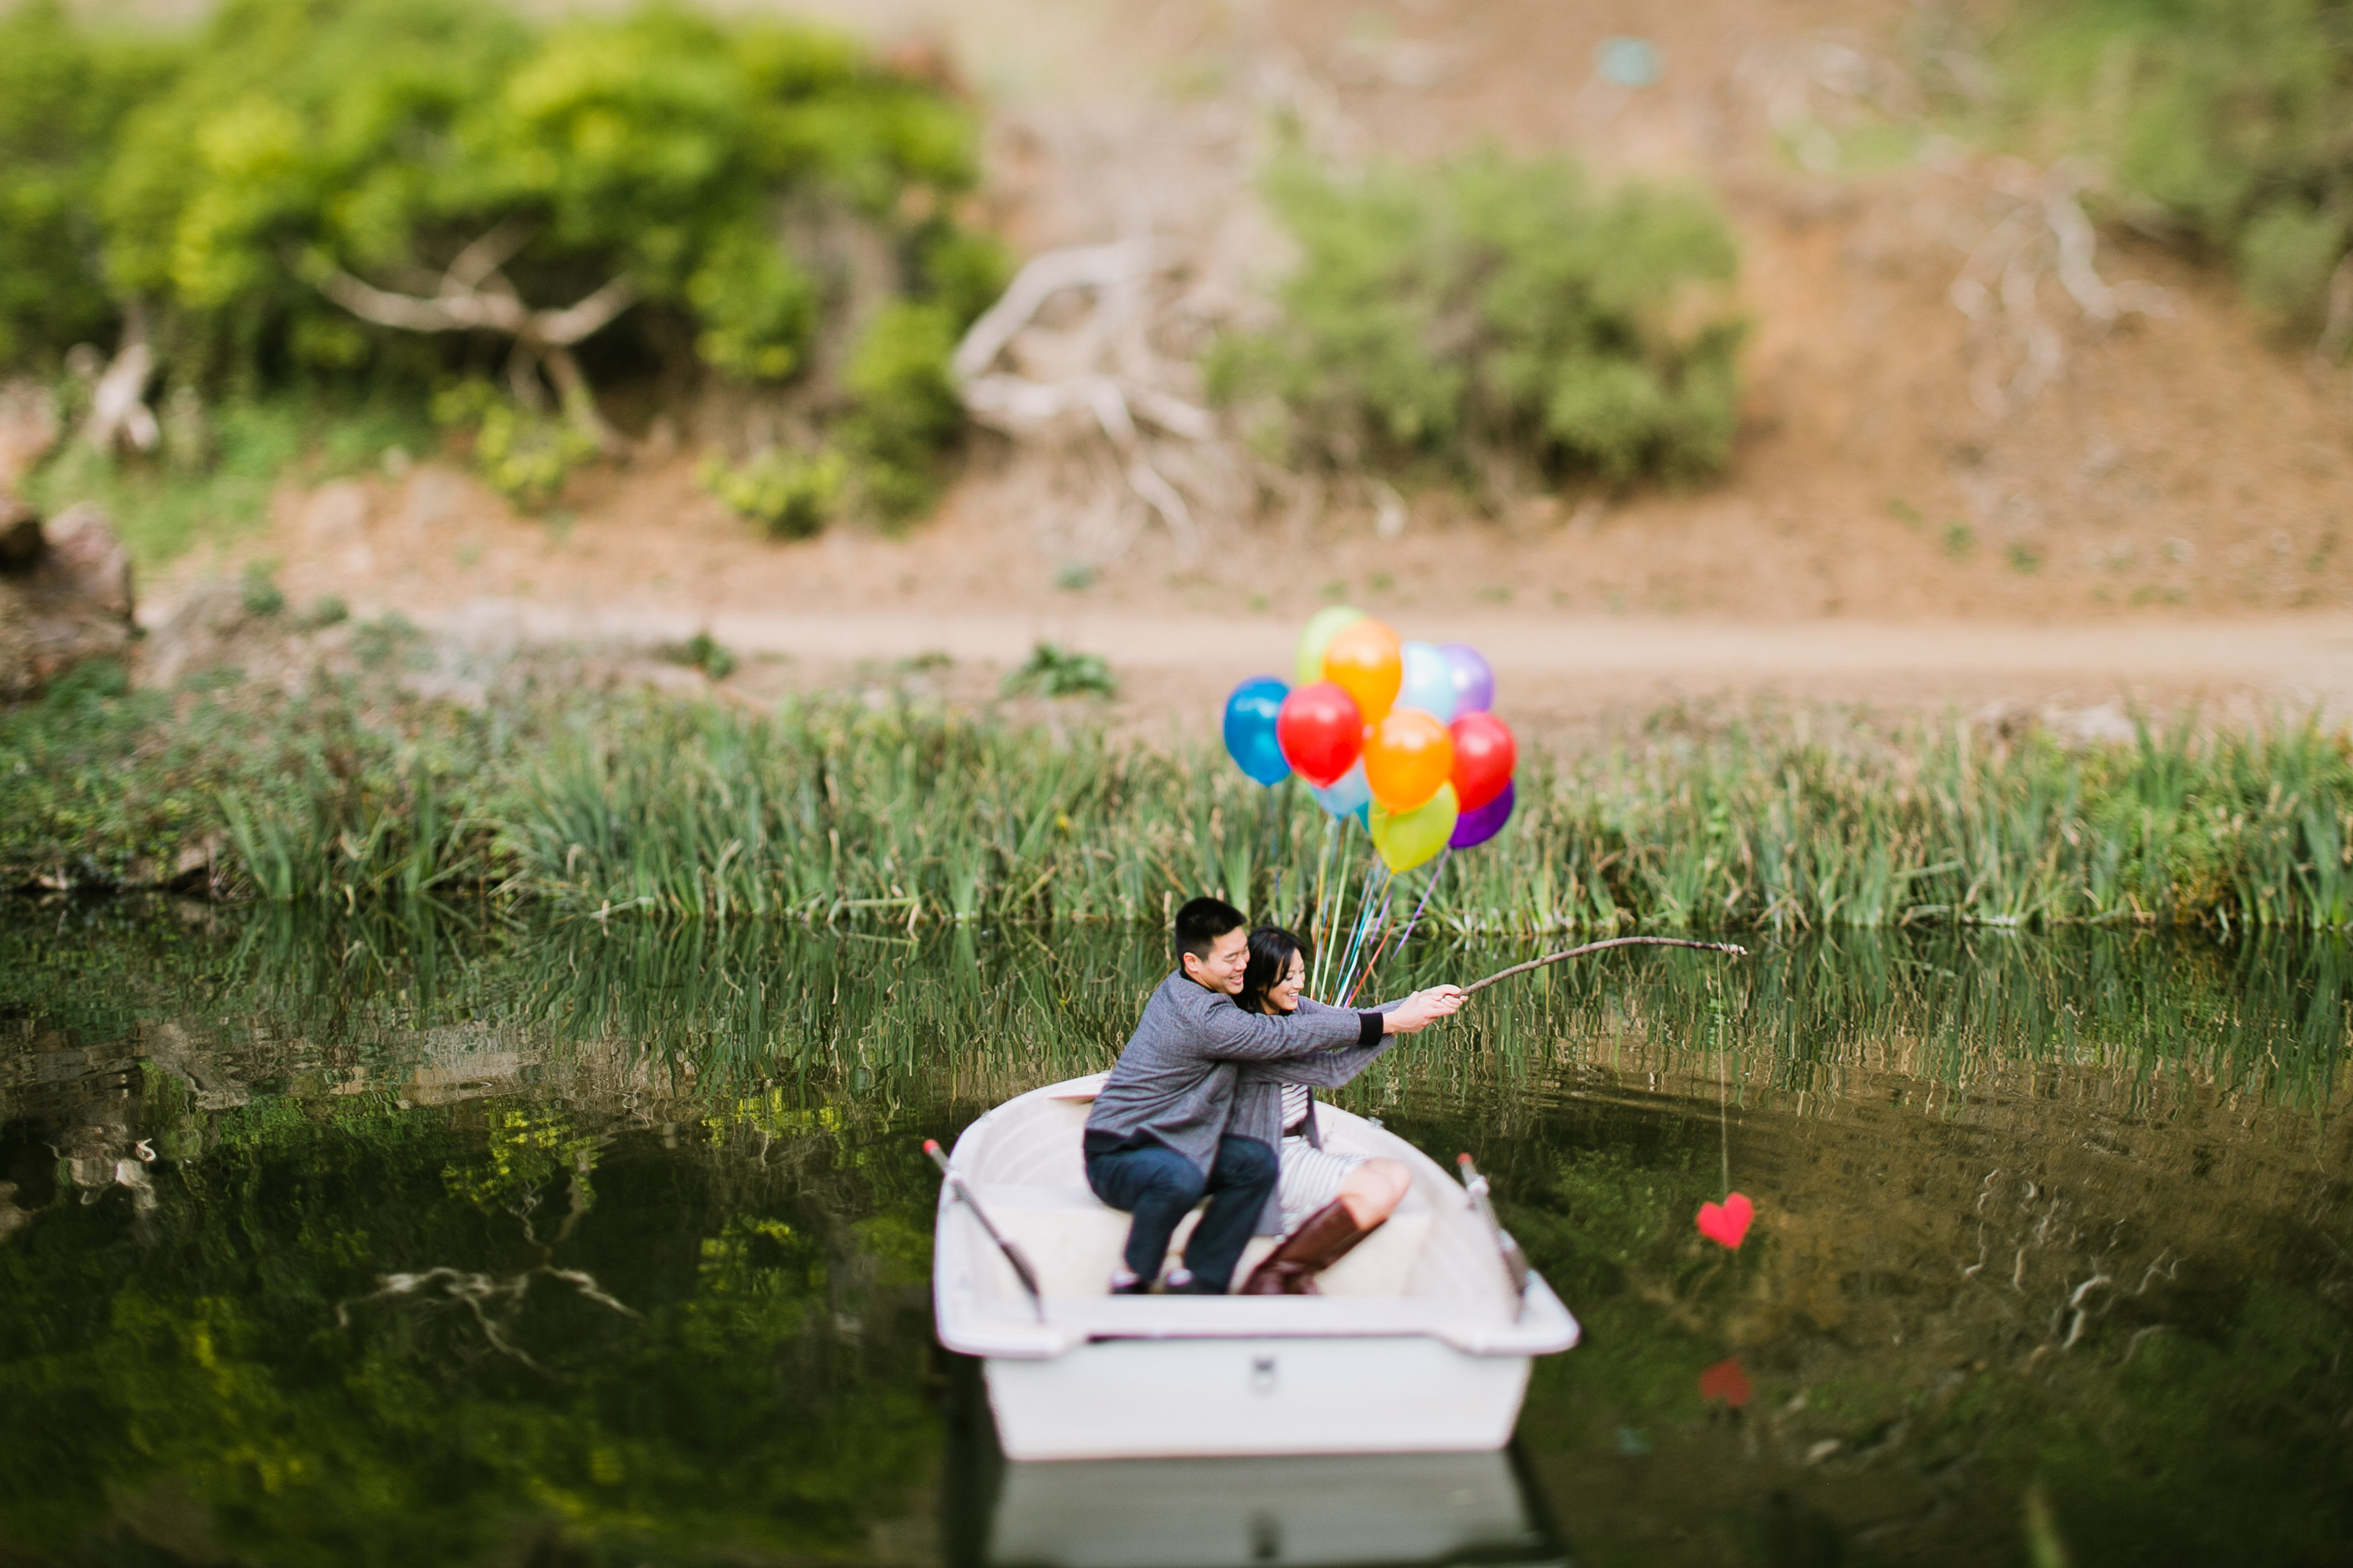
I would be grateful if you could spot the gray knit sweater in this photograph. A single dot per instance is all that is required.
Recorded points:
(1176, 1082)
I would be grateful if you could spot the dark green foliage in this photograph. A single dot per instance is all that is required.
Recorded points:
(63, 95)
(2230, 116)
(792, 494)
(907, 405)
(286, 144)
(1053, 670)
(1494, 306)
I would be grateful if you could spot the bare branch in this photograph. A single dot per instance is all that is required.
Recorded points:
(1042, 278)
(470, 311)
(564, 328)
(485, 256)
(118, 403)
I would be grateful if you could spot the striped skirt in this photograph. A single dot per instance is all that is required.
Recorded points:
(1311, 1178)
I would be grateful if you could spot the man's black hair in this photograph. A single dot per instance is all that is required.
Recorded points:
(1202, 921)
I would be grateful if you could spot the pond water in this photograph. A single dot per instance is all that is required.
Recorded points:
(443, 1238)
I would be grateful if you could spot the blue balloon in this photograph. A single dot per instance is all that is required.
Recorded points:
(1349, 795)
(1429, 682)
(1249, 728)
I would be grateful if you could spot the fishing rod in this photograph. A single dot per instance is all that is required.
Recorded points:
(1733, 947)
(1027, 1275)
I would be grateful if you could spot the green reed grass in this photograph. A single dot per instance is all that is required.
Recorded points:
(828, 811)
(885, 812)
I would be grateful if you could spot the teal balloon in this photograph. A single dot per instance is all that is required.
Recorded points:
(1350, 795)
(1249, 728)
(1429, 682)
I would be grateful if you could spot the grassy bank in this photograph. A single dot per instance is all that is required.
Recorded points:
(879, 808)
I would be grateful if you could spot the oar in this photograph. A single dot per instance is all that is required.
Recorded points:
(1027, 1275)
(1514, 1260)
(1733, 947)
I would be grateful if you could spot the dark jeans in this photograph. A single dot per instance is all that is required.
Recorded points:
(1159, 1187)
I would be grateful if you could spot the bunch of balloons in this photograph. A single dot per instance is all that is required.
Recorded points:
(1395, 734)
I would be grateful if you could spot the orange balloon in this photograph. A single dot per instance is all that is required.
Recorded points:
(1406, 756)
(1366, 660)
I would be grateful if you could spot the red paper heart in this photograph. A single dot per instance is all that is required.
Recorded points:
(1727, 1381)
(1727, 1222)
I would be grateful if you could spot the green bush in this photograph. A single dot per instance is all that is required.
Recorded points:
(525, 453)
(63, 94)
(2229, 116)
(793, 494)
(235, 178)
(907, 405)
(1494, 306)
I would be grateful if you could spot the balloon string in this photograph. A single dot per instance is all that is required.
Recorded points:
(1347, 953)
(1412, 921)
(1349, 980)
(1356, 935)
(1328, 913)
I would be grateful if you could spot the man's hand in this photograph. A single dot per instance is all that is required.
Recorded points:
(1421, 1009)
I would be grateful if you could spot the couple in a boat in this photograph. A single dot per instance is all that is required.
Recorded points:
(1215, 1096)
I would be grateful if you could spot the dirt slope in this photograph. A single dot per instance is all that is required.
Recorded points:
(2180, 469)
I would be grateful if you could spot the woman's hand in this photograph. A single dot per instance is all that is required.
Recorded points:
(1423, 1009)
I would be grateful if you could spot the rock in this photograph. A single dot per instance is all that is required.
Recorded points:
(21, 543)
(64, 596)
(28, 429)
(84, 550)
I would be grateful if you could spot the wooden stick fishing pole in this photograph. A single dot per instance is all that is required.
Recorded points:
(1733, 947)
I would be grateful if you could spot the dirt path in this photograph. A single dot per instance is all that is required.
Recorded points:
(1562, 676)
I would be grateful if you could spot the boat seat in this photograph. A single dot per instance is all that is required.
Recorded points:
(1073, 1239)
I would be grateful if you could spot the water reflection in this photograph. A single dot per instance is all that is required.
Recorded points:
(445, 1236)
(1348, 1512)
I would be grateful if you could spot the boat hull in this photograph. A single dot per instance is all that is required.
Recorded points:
(1141, 1398)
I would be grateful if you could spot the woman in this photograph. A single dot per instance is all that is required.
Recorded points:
(1330, 1202)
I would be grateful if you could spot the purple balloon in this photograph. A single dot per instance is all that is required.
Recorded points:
(1474, 827)
(1475, 682)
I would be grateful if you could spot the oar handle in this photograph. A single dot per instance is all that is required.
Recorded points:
(1515, 1262)
(1021, 1269)
(1733, 947)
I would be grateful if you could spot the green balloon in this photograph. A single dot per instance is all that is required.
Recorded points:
(1322, 627)
(1406, 838)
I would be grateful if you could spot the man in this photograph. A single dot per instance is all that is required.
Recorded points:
(1156, 1138)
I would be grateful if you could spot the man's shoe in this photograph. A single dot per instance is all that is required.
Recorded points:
(1327, 1237)
(1184, 1282)
(1125, 1283)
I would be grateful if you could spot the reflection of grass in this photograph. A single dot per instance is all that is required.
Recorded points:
(731, 1111)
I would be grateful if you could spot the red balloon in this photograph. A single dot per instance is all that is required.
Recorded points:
(1484, 756)
(1321, 733)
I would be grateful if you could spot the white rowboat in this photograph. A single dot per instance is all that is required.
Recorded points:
(1419, 1343)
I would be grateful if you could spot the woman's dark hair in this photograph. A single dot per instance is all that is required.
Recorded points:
(1270, 952)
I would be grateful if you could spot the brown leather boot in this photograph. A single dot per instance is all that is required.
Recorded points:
(1322, 1239)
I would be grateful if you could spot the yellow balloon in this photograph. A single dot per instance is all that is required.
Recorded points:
(1366, 661)
(1322, 627)
(1407, 838)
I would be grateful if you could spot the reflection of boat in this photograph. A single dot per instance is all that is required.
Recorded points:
(1334, 1509)
(1419, 1342)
